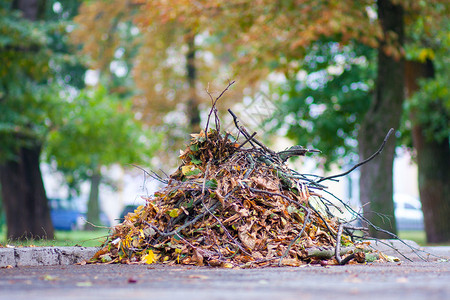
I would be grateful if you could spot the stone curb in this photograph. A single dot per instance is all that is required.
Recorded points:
(44, 256)
(48, 256)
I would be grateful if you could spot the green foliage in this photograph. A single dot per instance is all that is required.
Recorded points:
(431, 103)
(322, 105)
(432, 106)
(30, 78)
(98, 129)
(24, 72)
(41, 102)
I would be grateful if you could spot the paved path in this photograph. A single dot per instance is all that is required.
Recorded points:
(48, 273)
(416, 280)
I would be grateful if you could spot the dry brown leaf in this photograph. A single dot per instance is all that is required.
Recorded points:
(248, 240)
(264, 183)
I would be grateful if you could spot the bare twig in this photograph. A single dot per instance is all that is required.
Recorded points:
(246, 141)
(214, 109)
(227, 232)
(153, 175)
(323, 220)
(178, 230)
(362, 162)
(306, 220)
(337, 252)
(205, 177)
(247, 135)
(294, 151)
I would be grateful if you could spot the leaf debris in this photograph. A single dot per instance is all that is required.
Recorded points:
(231, 206)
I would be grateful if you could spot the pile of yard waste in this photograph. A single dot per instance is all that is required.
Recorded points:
(235, 204)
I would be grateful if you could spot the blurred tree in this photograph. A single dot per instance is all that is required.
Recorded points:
(376, 184)
(172, 58)
(427, 117)
(24, 100)
(324, 102)
(98, 129)
(112, 45)
(38, 86)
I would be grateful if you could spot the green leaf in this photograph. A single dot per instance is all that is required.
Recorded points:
(211, 184)
(188, 204)
(106, 258)
(193, 172)
(195, 160)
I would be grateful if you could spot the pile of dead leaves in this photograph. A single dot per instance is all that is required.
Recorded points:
(232, 206)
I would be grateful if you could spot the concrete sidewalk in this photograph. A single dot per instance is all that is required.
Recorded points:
(386, 281)
(48, 256)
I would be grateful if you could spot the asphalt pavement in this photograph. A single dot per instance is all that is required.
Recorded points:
(416, 279)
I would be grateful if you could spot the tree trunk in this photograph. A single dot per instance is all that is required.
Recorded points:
(433, 159)
(93, 209)
(376, 188)
(24, 199)
(193, 111)
(23, 193)
(31, 9)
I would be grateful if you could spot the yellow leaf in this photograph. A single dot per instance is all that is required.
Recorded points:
(186, 169)
(174, 212)
(50, 278)
(426, 53)
(149, 258)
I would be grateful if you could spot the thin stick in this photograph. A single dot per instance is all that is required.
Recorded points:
(306, 220)
(213, 108)
(176, 231)
(153, 175)
(204, 179)
(337, 252)
(363, 162)
(245, 133)
(227, 232)
(246, 141)
(323, 220)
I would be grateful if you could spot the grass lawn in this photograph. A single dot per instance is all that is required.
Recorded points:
(62, 238)
(417, 236)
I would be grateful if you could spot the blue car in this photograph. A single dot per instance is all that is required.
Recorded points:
(65, 216)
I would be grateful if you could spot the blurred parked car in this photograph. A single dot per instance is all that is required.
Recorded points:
(408, 212)
(65, 215)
